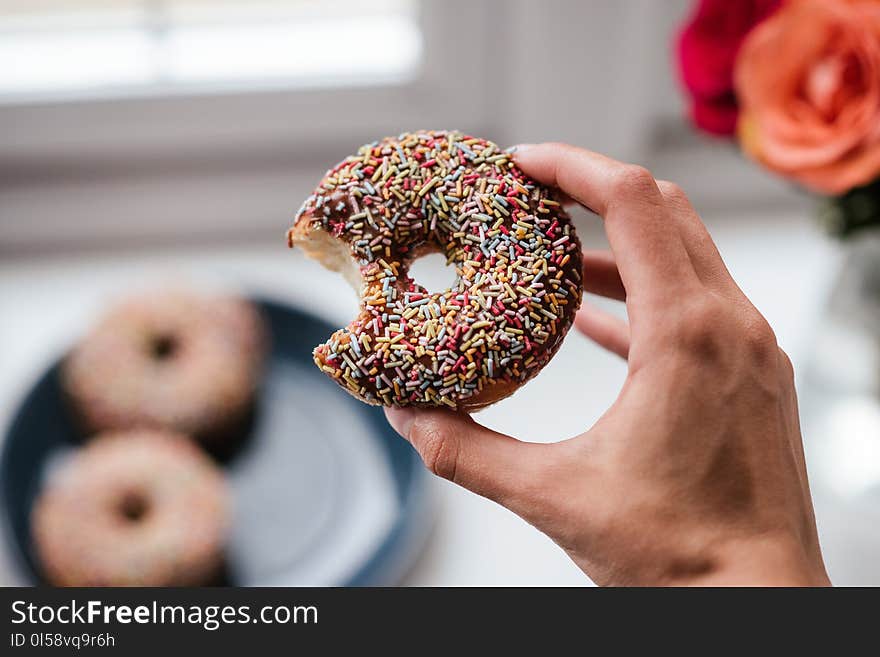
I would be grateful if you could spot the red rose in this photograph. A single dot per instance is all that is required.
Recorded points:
(707, 49)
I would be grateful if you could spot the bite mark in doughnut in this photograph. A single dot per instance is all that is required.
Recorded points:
(516, 255)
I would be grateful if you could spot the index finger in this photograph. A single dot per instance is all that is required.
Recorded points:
(650, 255)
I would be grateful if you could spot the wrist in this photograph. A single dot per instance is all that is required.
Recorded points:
(762, 561)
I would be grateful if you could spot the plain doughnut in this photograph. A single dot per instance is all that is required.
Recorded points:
(168, 359)
(138, 508)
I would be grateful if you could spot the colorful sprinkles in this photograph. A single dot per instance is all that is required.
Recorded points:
(515, 252)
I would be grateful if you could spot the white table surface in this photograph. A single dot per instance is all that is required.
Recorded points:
(783, 263)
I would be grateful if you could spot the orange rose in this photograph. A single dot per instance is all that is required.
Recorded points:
(808, 82)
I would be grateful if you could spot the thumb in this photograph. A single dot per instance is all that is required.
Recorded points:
(501, 468)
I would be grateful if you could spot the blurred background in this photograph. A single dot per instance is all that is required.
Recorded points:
(145, 140)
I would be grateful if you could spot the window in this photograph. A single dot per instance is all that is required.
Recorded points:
(226, 112)
(124, 47)
(159, 118)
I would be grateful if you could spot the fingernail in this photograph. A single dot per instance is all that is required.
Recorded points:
(519, 148)
(400, 419)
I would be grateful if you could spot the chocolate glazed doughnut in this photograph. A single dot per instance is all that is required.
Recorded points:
(516, 255)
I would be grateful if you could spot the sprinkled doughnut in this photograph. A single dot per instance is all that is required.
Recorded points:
(138, 508)
(168, 359)
(516, 256)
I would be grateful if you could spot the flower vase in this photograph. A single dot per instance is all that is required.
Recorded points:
(840, 409)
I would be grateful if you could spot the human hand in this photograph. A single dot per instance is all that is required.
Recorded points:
(695, 475)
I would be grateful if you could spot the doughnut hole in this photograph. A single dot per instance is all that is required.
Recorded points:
(133, 507)
(163, 346)
(432, 273)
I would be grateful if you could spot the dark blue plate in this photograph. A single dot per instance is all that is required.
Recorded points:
(325, 493)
